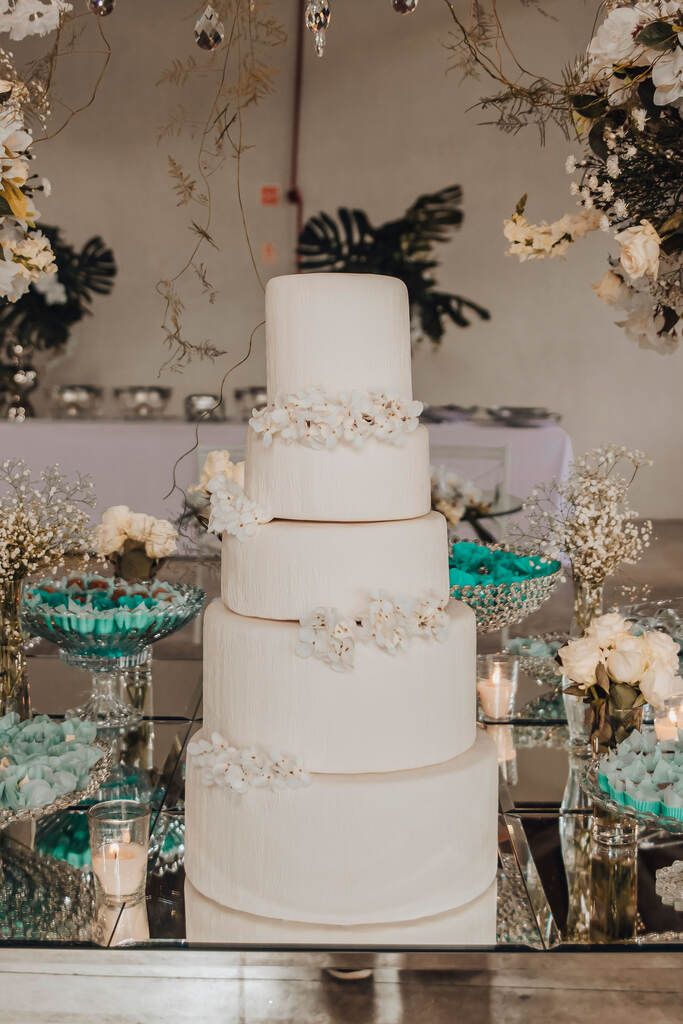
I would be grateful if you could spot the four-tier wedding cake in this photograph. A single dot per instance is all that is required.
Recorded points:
(340, 790)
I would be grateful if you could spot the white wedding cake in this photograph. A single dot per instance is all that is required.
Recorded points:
(339, 791)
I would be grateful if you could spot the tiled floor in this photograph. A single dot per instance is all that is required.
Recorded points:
(508, 989)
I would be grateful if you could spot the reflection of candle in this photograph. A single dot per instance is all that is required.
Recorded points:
(121, 869)
(666, 727)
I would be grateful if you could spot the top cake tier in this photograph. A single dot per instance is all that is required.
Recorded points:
(338, 332)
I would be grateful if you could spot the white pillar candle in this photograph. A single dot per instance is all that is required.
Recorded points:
(666, 726)
(496, 694)
(121, 869)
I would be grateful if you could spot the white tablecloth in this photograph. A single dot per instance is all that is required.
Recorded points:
(131, 463)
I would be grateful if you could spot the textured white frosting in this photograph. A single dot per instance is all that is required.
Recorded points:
(473, 924)
(390, 712)
(289, 568)
(375, 483)
(339, 332)
(349, 849)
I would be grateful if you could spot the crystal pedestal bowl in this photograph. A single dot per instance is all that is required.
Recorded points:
(104, 626)
(500, 586)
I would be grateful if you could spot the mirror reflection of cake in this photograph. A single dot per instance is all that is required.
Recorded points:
(340, 790)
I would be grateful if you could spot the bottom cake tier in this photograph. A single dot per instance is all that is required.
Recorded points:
(473, 924)
(348, 849)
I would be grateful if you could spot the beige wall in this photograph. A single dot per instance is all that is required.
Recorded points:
(381, 123)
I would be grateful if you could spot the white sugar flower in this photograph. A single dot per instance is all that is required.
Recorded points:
(620, 209)
(607, 190)
(240, 770)
(326, 635)
(570, 164)
(321, 421)
(231, 511)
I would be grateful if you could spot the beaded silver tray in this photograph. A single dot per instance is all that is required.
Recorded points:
(98, 773)
(591, 785)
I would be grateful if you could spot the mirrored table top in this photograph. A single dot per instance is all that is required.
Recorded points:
(545, 900)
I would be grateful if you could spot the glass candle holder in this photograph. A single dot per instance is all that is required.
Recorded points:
(119, 841)
(668, 720)
(497, 684)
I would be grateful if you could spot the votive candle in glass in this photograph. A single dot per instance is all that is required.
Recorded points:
(668, 720)
(497, 684)
(119, 841)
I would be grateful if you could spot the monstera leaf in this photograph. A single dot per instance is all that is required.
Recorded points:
(39, 324)
(400, 248)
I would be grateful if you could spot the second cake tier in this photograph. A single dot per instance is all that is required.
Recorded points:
(289, 568)
(389, 712)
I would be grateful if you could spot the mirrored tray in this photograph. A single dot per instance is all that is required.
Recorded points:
(591, 786)
(98, 773)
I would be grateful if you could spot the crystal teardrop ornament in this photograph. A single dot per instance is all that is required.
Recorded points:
(102, 7)
(209, 30)
(318, 17)
(405, 6)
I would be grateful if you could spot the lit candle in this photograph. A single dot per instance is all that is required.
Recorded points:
(666, 726)
(121, 869)
(497, 692)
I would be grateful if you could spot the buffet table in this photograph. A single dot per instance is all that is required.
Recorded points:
(544, 897)
(131, 463)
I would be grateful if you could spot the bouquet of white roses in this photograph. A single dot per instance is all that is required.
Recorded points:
(136, 544)
(617, 672)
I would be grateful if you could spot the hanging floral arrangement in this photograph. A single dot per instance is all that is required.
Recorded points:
(627, 107)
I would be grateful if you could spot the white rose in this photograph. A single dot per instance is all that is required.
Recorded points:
(610, 289)
(139, 526)
(639, 250)
(626, 666)
(108, 539)
(659, 684)
(580, 658)
(117, 517)
(661, 650)
(607, 629)
(161, 540)
(613, 43)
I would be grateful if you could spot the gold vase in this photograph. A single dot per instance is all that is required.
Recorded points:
(14, 687)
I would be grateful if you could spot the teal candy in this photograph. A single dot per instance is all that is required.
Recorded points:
(43, 765)
(474, 565)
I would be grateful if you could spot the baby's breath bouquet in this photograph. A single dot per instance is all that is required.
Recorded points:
(587, 520)
(42, 521)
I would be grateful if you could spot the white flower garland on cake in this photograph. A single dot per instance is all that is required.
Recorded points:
(250, 768)
(318, 420)
(231, 510)
(388, 621)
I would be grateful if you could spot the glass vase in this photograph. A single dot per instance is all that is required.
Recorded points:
(614, 879)
(14, 688)
(588, 598)
(608, 725)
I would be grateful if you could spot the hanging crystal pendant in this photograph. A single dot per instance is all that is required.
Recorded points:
(102, 7)
(208, 30)
(405, 6)
(318, 16)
